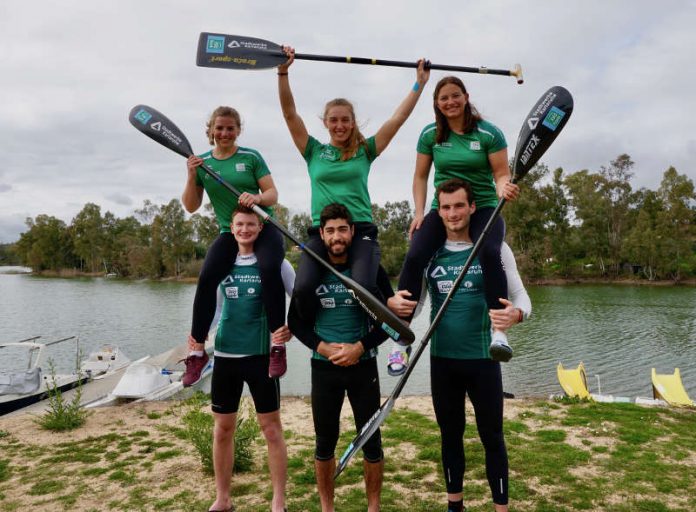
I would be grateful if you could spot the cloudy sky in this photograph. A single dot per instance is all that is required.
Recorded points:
(71, 70)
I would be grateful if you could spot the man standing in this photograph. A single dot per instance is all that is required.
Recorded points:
(242, 346)
(460, 362)
(343, 347)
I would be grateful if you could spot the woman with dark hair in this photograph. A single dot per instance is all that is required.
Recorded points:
(338, 173)
(245, 169)
(462, 145)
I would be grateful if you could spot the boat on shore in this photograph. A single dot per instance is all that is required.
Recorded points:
(22, 387)
(154, 378)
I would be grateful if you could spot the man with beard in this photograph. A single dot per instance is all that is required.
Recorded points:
(344, 346)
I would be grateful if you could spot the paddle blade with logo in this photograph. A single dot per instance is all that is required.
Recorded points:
(237, 52)
(159, 128)
(541, 127)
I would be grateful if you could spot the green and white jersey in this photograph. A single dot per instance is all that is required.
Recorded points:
(336, 181)
(465, 329)
(242, 326)
(340, 318)
(465, 157)
(243, 170)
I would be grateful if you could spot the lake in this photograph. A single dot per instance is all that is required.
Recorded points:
(619, 331)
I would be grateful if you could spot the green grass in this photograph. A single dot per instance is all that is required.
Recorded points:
(563, 456)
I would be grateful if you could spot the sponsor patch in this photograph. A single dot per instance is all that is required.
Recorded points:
(475, 145)
(348, 302)
(143, 116)
(240, 167)
(553, 118)
(251, 291)
(215, 44)
(232, 292)
(439, 271)
(328, 303)
(444, 286)
(322, 290)
(468, 284)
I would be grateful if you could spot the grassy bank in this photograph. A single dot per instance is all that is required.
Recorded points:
(563, 456)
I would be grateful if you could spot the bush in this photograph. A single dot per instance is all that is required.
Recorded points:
(199, 431)
(62, 415)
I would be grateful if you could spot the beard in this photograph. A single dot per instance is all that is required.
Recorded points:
(338, 249)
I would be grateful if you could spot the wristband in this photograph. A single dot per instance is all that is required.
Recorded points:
(282, 74)
(416, 87)
(520, 316)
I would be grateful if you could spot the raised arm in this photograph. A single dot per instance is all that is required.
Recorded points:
(387, 131)
(192, 196)
(297, 128)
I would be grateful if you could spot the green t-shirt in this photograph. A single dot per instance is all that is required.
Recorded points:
(465, 329)
(243, 170)
(340, 318)
(465, 157)
(336, 181)
(243, 326)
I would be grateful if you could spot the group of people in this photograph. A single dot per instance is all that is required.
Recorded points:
(246, 277)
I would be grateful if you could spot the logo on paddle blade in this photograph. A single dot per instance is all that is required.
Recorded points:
(157, 126)
(143, 116)
(215, 44)
(532, 122)
(553, 118)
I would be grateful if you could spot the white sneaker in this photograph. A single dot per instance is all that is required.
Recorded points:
(499, 348)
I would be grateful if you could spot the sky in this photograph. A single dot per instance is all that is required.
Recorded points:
(70, 72)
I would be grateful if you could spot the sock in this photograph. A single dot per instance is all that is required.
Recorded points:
(499, 337)
(197, 353)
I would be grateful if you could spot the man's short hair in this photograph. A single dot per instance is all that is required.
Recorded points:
(245, 209)
(334, 211)
(454, 184)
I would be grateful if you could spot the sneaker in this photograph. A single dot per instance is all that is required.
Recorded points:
(499, 348)
(397, 361)
(278, 363)
(194, 367)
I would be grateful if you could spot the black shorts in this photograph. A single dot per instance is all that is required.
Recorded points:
(330, 385)
(229, 376)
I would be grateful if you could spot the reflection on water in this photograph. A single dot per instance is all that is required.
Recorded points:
(619, 332)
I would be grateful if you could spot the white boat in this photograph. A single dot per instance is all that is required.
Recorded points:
(155, 378)
(106, 360)
(22, 387)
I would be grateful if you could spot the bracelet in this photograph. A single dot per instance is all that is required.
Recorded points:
(520, 316)
(282, 74)
(416, 87)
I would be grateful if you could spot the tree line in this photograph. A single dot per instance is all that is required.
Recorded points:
(580, 225)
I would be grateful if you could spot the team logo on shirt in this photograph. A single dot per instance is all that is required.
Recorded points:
(439, 271)
(228, 280)
(232, 292)
(240, 167)
(475, 145)
(348, 302)
(328, 154)
(444, 286)
(322, 290)
(328, 303)
(468, 284)
(251, 291)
